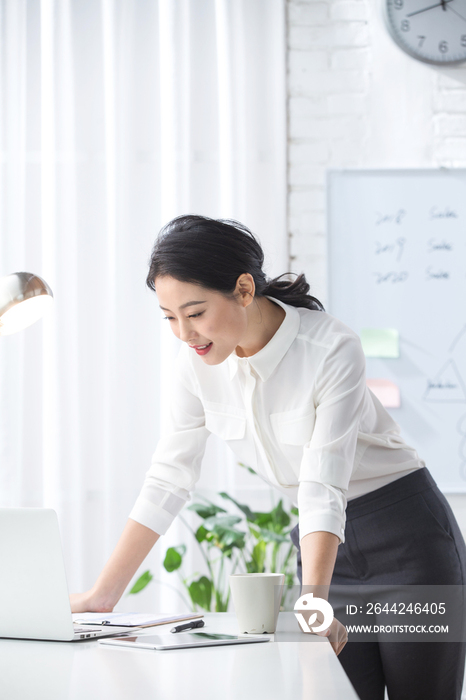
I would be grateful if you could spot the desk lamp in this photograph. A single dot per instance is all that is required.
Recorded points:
(24, 298)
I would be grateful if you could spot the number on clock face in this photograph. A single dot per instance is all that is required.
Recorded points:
(433, 31)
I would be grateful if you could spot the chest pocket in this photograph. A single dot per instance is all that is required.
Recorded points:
(294, 427)
(227, 422)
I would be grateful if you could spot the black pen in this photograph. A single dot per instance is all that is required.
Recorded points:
(188, 626)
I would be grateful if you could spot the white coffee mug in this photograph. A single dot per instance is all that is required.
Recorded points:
(256, 598)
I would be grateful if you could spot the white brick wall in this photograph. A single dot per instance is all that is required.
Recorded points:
(356, 100)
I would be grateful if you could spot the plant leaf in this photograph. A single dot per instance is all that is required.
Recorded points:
(255, 531)
(220, 604)
(294, 510)
(225, 536)
(262, 519)
(206, 511)
(271, 536)
(277, 518)
(174, 558)
(245, 466)
(250, 515)
(141, 583)
(201, 533)
(280, 517)
(258, 554)
(256, 565)
(228, 537)
(222, 521)
(201, 592)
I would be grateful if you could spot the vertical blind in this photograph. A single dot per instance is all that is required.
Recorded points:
(115, 116)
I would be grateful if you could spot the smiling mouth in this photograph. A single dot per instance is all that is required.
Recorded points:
(201, 349)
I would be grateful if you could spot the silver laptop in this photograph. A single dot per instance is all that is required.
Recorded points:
(34, 602)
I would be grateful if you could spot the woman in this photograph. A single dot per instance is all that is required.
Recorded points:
(265, 368)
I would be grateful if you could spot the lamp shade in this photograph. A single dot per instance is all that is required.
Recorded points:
(24, 298)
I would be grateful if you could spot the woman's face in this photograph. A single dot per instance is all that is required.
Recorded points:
(212, 324)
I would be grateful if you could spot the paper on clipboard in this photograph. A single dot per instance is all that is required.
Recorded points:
(131, 619)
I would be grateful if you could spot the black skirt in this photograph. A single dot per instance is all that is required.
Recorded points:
(404, 533)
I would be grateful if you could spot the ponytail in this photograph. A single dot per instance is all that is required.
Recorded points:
(292, 292)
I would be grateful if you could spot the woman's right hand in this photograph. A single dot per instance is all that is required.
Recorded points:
(132, 548)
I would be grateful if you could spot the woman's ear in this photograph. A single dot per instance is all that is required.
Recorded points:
(245, 289)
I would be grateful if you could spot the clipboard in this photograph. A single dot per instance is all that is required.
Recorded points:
(131, 619)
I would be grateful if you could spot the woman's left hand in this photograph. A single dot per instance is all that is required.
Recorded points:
(336, 635)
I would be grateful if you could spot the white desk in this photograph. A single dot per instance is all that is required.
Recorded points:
(293, 666)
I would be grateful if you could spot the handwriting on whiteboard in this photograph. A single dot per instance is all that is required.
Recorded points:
(445, 213)
(395, 248)
(392, 277)
(432, 274)
(396, 218)
(438, 245)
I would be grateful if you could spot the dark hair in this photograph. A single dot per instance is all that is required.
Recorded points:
(214, 253)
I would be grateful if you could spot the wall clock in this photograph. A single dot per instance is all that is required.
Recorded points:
(433, 31)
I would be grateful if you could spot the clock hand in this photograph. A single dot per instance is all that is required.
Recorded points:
(457, 13)
(443, 4)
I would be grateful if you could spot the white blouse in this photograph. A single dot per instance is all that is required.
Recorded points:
(298, 412)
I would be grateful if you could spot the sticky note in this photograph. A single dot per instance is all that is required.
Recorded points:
(380, 342)
(386, 391)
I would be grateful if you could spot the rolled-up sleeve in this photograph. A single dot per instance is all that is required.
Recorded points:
(328, 459)
(176, 463)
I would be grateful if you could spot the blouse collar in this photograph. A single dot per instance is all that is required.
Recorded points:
(267, 359)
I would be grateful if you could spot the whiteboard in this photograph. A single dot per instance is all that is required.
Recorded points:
(397, 259)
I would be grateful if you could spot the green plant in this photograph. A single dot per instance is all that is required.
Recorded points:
(262, 545)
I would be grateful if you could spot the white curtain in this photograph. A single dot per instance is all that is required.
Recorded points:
(115, 116)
